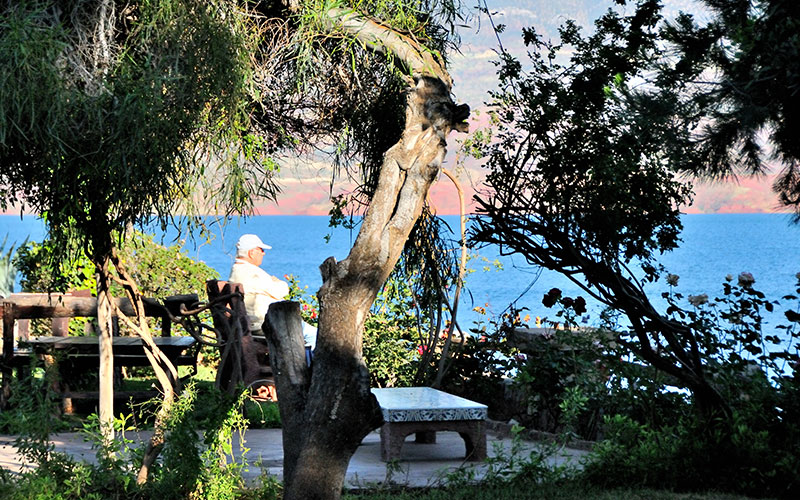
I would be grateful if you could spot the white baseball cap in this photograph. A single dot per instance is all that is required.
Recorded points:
(248, 242)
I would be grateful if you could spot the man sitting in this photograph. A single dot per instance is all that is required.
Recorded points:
(260, 288)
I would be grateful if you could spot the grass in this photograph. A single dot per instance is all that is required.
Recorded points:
(529, 490)
(260, 414)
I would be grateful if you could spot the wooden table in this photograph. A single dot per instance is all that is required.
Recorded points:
(424, 411)
(128, 351)
(72, 357)
(22, 307)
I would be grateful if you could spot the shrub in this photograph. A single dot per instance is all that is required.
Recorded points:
(483, 363)
(159, 271)
(558, 384)
(754, 450)
(391, 331)
(192, 465)
(392, 338)
(564, 383)
(736, 457)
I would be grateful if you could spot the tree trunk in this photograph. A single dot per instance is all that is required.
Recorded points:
(339, 409)
(318, 439)
(166, 373)
(106, 370)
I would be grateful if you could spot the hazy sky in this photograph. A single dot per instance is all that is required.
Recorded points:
(306, 187)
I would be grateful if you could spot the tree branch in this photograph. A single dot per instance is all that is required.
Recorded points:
(385, 40)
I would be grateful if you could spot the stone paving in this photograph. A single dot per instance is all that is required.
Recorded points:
(420, 464)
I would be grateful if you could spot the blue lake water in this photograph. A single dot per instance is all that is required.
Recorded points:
(714, 245)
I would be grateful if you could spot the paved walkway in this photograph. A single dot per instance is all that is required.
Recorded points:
(420, 464)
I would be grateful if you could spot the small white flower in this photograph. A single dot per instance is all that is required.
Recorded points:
(728, 278)
(672, 279)
(698, 300)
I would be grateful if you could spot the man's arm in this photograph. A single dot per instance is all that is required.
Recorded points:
(256, 281)
(277, 288)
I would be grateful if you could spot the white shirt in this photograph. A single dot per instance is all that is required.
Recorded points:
(260, 290)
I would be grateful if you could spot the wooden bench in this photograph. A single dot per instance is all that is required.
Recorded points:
(424, 411)
(243, 354)
(82, 351)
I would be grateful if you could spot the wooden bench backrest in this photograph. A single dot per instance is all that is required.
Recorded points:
(233, 305)
(243, 358)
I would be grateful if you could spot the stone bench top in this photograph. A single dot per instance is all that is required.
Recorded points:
(423, 404)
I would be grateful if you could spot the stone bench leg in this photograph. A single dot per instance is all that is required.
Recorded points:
(475, 443)
(473, 432)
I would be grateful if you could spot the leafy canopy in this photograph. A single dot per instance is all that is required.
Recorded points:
(106, 119)
(740, 69)
(583, 161)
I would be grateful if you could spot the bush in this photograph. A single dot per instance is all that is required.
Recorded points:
(391, 331)
(392, 338)
(735, 456)
(564, 384)
(159, 271)
(192, 465)
(755, 449)
(558, 384)
(483, 363)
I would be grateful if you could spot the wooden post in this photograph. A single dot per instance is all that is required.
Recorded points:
(284, 331)
(8, 351)
(106, 349)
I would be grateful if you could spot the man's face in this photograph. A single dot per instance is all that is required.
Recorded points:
(255, 256)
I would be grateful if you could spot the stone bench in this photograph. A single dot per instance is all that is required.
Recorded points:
(424, 411)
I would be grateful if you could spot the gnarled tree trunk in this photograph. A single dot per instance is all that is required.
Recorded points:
(324, 424)
(324, 428)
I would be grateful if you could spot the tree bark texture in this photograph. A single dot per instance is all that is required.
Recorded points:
(284, 331)
(106, 351)
(339, 408)
(325, 427)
